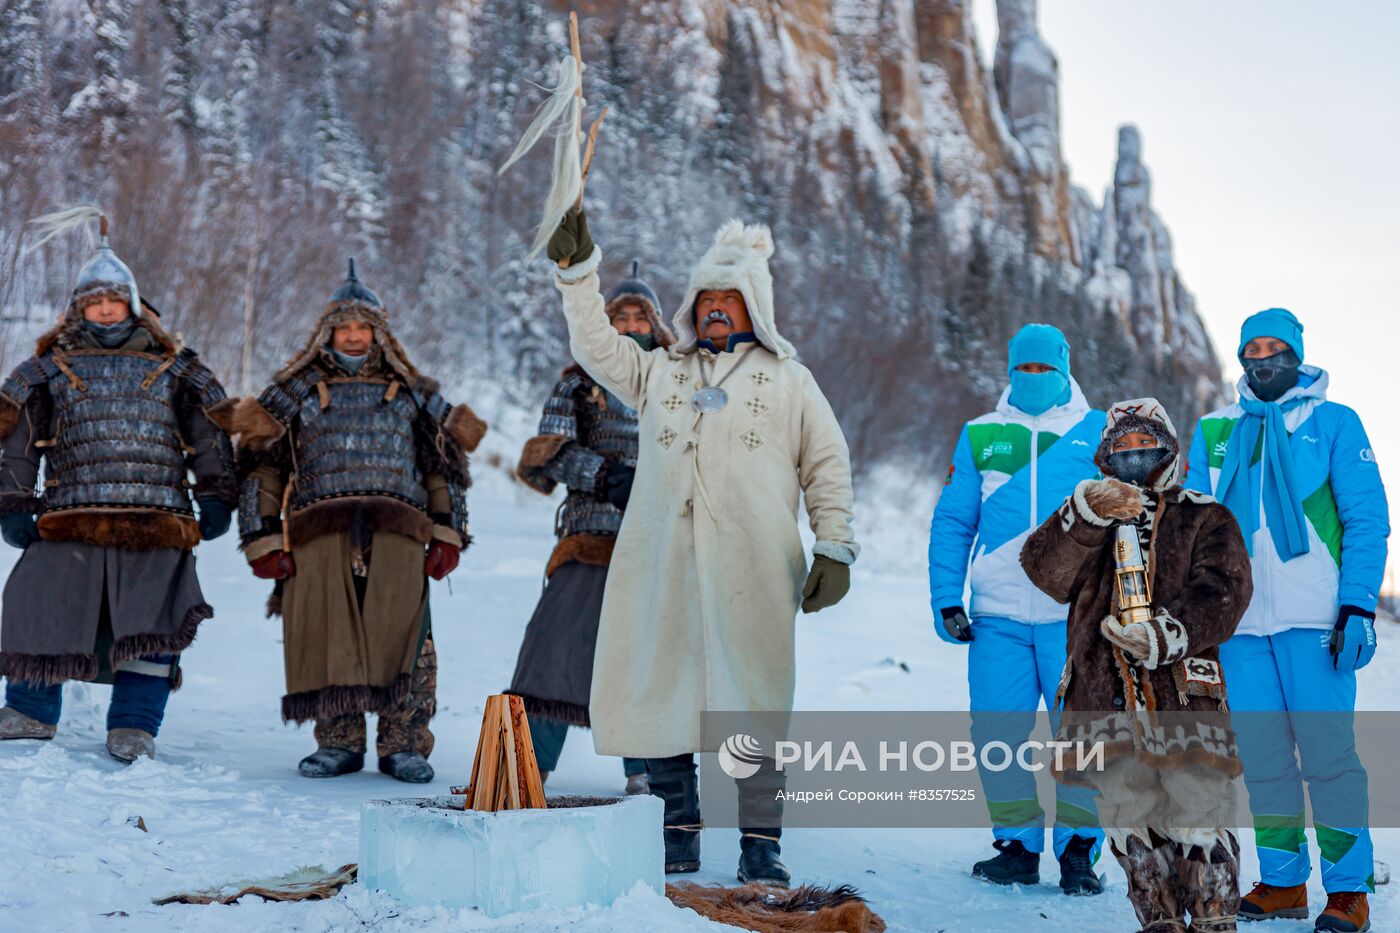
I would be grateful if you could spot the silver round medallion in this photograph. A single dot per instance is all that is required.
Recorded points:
(709, 400)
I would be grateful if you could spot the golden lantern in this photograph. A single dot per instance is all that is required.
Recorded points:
(1130, 574)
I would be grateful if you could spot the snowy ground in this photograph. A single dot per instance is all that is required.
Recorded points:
(224, 802)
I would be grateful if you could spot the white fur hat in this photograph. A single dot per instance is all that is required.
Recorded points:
(738, 260)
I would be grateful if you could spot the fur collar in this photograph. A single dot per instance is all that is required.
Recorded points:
(389, 350)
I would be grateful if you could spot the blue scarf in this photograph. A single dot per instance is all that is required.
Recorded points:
(1281, 503)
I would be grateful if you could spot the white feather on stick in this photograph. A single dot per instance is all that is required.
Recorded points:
(60, 222)
(563, 112)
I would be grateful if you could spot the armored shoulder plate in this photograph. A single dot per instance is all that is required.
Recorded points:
(191, 370)
(27, 377)
(282, 400)
(561, 411)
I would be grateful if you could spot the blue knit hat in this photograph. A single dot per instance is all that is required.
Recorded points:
(1278, 323)
(1039, 343)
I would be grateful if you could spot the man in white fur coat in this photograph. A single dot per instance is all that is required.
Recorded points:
(709, 569)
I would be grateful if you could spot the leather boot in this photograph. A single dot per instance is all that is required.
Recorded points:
(638, 784)
(409, 767)
(759, 862)
(331, 762)
(16, 725)
(675, 782)
(1077, 874)
(1347, 912)
(1270, 902)
(127, 745)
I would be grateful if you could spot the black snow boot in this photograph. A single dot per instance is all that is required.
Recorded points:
(1013, 865)
(1077, 868)
(759, 862)
(409, 767)
(675, 782)
(331, 762)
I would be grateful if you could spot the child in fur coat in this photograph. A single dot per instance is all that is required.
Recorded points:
(1151, 692)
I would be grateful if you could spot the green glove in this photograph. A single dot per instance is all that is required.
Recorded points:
(827, 584)
(571, 241)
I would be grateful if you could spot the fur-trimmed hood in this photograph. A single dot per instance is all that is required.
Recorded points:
(1148, 416)
(68, 333)
(633, 290)
(738, 259)
(343, 312)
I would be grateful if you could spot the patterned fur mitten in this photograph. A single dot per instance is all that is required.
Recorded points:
(1134, 639)
(1108, 500)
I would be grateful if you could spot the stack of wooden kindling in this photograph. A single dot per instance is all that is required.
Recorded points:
(505, 775)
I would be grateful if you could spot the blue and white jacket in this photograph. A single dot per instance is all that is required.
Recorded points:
(1010, 470)
(1343, 502)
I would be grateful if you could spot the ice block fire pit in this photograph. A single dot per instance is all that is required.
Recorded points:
(576, 851)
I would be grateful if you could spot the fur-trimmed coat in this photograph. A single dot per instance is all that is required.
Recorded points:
(1200, 586)
(359, 558)
(133, 563)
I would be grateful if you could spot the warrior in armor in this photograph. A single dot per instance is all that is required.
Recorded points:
(353, 474)
(120, 415)
(587, 442)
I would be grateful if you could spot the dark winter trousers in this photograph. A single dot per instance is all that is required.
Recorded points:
(548, 735)
(402, 730)
(760, 811)
(138, 700)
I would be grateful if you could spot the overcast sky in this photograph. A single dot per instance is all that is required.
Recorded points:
(1272, 132)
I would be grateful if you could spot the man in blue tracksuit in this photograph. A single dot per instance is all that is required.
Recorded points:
(1011, 468)
(1299, 473)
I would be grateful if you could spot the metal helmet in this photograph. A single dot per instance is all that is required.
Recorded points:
(634, 285)
(104, 267)
(352, 290)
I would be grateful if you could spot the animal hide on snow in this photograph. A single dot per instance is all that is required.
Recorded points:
(763, 909)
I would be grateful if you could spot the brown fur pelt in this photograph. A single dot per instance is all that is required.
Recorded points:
(377, 513)
(558, 710)
(128, 529)
(465, 427)
(45, 670)
(330, 702)
(764, 909)
(67, 334)
(1113, 499)
(586, 549)
(537, 452)
(249, 423)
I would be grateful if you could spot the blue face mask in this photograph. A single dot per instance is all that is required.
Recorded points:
(352, 364)
(1037, 393)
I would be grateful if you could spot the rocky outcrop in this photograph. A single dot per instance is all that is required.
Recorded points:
(920, 203)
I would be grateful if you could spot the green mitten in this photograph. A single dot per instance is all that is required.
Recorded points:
(827, 584)
(571, 241)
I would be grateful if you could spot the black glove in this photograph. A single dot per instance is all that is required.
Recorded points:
(214, 517)
(618, 480)
(956, 623)
(571, 241)
(19, 529)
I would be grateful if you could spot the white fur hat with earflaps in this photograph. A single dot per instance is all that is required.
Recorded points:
(738, 259)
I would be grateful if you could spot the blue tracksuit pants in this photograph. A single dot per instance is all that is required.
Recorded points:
(1011, 668)
(1300, 714)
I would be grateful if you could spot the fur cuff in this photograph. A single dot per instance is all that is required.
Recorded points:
(261, 547)
(464, 427)
(837, 551)
(335, 701)
(556, 710)
(538, 451)
(449, 536)
(12, 503)
(578, 273)
(45, 670)
(252, 424)
(131, 647)
(1134, 639)
(596, 550)
(1103, 502)
(1168, 640)
(127, 529)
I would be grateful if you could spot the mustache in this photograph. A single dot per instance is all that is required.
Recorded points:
(718, 316)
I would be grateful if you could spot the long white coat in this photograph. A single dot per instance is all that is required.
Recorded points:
(707, 575)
